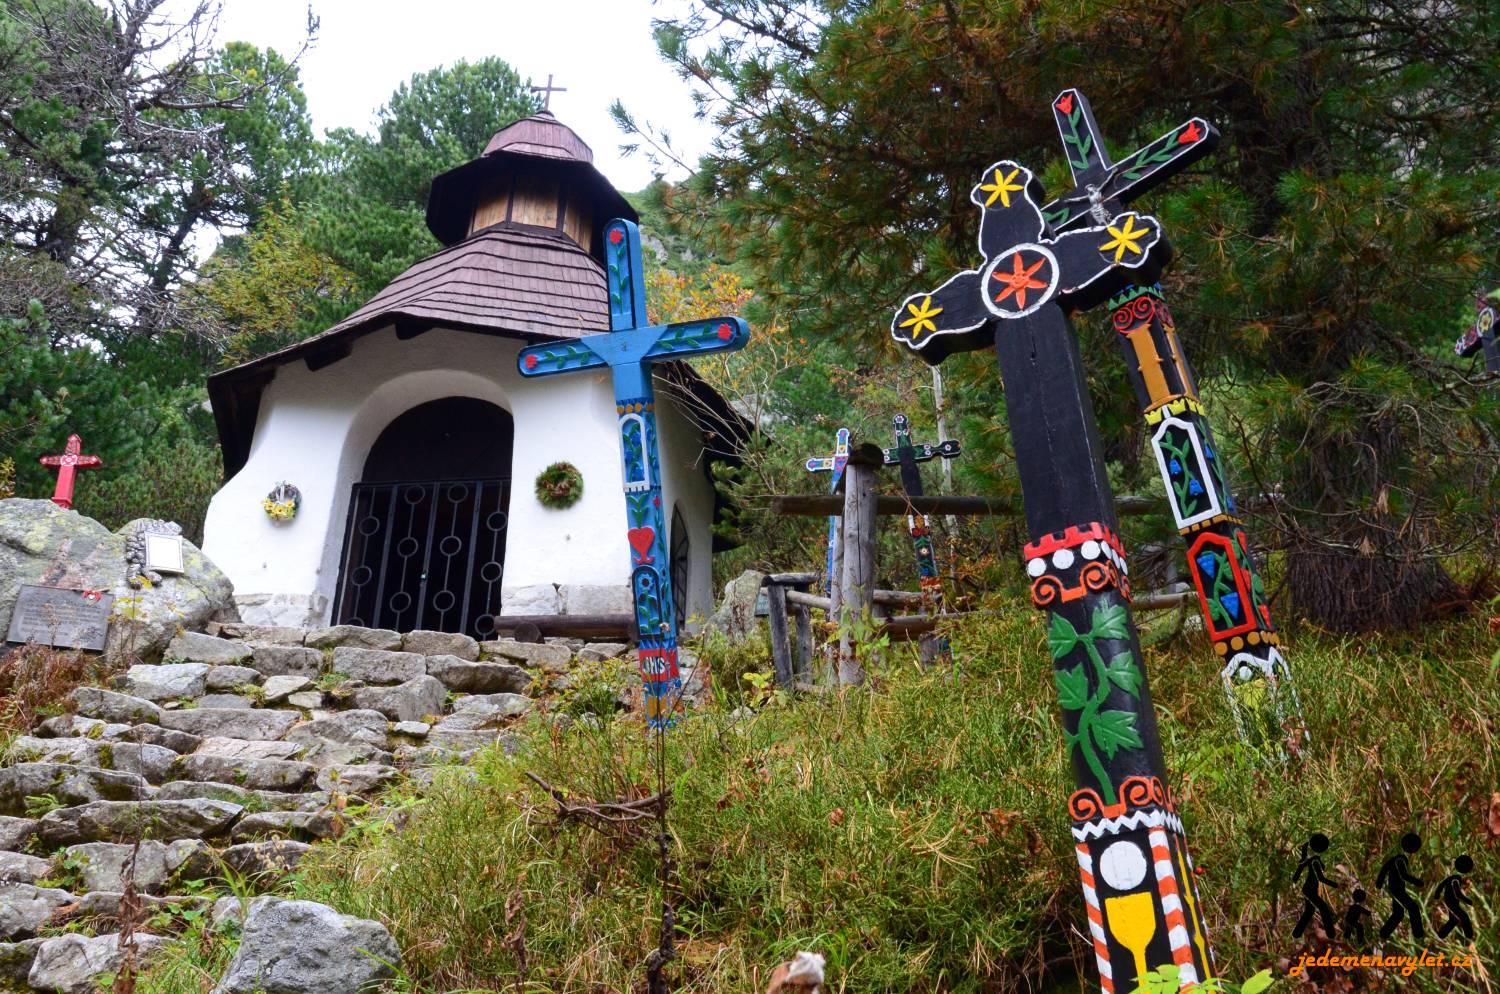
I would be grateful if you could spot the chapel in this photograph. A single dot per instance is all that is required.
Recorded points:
(415, 445)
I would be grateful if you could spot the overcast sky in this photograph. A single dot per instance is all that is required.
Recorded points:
(598, 49)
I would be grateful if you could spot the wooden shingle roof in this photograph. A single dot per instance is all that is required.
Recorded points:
(509, 278)
(543, 135)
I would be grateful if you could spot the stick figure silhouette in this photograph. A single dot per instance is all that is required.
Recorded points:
(1311, 869)
(1394, 877)
(1451, 890)
(1354, 919)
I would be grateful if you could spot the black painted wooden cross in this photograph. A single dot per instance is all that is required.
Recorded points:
(906, 455)
(1132, 857)
(1481, 334)
(1256, 678)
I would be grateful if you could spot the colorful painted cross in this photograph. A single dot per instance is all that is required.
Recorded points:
(1482, 333)
(1255, 675)
(67, 464)
(630, 348)
(907, 455)
(1132, 855)
(832, 464)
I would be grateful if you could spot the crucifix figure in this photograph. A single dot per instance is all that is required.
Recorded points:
(549, 89)
(1481, 334)
(1132, 856)
(629, 349)
(1256, 678)
(67, 464)
(907, 455)
(832, 464)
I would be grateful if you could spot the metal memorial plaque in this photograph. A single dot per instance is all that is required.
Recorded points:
(164, 553)
(58, 616)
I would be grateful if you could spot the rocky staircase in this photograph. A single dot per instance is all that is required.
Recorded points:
(229, 761)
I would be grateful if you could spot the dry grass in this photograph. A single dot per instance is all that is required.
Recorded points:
(35, 681)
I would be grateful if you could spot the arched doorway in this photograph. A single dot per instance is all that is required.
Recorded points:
(424, 546)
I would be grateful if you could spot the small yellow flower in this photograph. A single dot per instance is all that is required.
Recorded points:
(921, 321)
(1002, 188)
(1125, 238)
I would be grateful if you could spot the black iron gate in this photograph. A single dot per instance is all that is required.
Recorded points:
(426, 555)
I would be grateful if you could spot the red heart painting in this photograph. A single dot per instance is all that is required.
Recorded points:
(640, 540)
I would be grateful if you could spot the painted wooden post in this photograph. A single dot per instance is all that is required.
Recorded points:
(630, 348)
(907, 455)
(833, 464)
(1132, 855)
(857, 546)
(1481, 334)
(67, 464)
(1255, 675)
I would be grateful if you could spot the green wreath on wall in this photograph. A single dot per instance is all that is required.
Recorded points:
(559, 486)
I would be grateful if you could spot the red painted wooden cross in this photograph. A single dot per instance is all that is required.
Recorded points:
(67, 466)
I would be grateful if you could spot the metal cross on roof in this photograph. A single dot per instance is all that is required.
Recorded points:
(630, 348)
(549, 89)
(67, 464)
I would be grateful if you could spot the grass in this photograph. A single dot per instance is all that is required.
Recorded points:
(917, 836)
(36, 679)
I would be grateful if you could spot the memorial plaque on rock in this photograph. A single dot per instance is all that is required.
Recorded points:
(59, 616)
(164, 553)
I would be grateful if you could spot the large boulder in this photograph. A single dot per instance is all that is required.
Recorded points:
(301, 947)
(45, 545)
(736, 614)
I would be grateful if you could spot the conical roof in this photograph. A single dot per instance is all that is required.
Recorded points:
(543, 135)
(539, 144)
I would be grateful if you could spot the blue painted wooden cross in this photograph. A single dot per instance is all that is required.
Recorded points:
(832, 464)
(630, 348)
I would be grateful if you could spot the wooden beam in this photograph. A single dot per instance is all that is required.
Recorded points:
(570, 625)
(891, 505)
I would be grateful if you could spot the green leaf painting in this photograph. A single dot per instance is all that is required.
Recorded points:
(1085, 687)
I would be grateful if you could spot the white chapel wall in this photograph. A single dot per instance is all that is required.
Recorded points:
(685, 485)
(316, 428)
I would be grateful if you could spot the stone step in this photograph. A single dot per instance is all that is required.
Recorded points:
(16, 833)
(250, 799)
(126, 821)
(301, 826)
(72, 964)
(196, 647)
(235, 723)
(20, 868)
(106, 866)
(153, 762)
(24, 908)
(66, 784)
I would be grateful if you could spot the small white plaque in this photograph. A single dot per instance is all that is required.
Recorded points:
(164, 553)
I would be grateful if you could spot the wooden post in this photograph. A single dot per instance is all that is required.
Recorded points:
(835, 604)
(802, 654)
(857, 575)
(781, 649)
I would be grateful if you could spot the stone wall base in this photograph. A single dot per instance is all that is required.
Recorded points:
(283, 610)
(566, 598)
